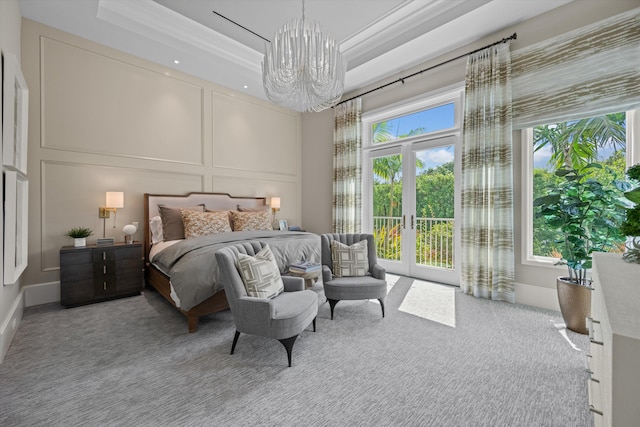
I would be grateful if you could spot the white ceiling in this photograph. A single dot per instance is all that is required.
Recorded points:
(377, 37)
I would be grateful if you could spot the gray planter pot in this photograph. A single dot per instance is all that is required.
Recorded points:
(575, 304)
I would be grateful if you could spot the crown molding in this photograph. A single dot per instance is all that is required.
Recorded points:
(156, 22)
(401, 25)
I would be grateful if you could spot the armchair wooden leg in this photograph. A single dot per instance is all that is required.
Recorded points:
(382, 305)
(235, 341)
(332, 304)
(314, 324)
(288, 344)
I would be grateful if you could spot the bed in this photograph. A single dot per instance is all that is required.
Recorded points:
(183, 269)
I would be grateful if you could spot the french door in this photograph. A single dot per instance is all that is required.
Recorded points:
(411, 203)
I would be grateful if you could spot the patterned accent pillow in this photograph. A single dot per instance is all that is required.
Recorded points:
(198, 224)
(349, 260)
(260, 274)
(172, 227)
(229, 217)
(247, 221)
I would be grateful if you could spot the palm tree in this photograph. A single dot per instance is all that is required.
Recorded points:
(389, 168)
(381, 132)
(575, 144)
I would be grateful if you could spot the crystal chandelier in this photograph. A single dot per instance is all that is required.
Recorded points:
(303, 68)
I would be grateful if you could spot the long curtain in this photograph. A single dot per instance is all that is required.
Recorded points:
(347, 167)
(487, 259)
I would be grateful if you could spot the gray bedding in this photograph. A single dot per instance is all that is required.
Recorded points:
(191, 264)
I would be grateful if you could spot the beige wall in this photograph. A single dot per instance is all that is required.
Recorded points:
(536, 285)
(102, 120)
(11, 300)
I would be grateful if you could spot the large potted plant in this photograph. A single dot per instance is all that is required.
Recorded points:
(587, 213)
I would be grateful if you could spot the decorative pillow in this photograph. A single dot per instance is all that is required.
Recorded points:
(172, 228)
(349, 260)
(198, 224)
(155, 224)
(258, 209)
(260, 274)
(247, 221)
(229, 217)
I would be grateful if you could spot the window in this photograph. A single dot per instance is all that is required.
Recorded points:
(418, 123)
(605, 139)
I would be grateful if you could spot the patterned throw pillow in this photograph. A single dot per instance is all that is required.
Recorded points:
(247, 221)
(260, 274)
(198, 224)
(349, 260)
(172, 227)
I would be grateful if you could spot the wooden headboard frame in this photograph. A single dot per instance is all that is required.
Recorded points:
(214, 201)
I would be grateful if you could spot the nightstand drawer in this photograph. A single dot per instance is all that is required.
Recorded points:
(77, 292)
(76, 272)
(129, 267)
(104, 254)
(75, 257)
(126, 252)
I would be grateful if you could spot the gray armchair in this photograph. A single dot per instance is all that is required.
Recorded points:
(283, 317)
(370, 286)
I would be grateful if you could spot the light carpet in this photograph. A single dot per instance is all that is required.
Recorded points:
(131, 362)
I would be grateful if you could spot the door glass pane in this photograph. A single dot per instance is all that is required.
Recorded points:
(387, 205)
(419, 123)
(435, 207)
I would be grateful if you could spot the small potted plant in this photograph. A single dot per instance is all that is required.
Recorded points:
(79, 235)
(588, 214)
(631, 225)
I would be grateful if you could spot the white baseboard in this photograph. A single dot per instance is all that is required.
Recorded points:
(41, 293)
(9, 327)
(537, 296)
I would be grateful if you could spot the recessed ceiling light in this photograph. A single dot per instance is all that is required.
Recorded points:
(175, 61)
(245, 86)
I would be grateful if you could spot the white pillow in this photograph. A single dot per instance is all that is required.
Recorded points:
(260, 274)
(155, 224)
(349, 260)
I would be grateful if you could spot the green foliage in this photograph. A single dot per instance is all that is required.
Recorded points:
(633, 252)
(434, 244)
(634, 172)
(631, 224)
(587, 213)
(388, 242)
(79, 232)
(575, 144)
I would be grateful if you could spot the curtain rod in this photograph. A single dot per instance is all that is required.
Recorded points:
(402, 79)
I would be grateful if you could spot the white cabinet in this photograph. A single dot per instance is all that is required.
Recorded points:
(614, 359)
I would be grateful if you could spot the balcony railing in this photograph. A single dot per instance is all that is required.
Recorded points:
(434, 240)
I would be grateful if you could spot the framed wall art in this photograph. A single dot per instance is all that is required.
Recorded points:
(15, 105)
(16, 202)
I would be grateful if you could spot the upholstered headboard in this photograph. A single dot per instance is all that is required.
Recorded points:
(213, 201)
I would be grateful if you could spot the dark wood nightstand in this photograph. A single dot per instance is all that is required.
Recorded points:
(93, 273)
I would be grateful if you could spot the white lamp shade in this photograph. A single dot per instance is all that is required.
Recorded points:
(275, 203)
(115, 199)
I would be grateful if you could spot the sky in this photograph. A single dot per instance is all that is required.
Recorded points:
(433, 119)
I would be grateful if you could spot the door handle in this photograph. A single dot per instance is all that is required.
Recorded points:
(412, 222)
(404, 220)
